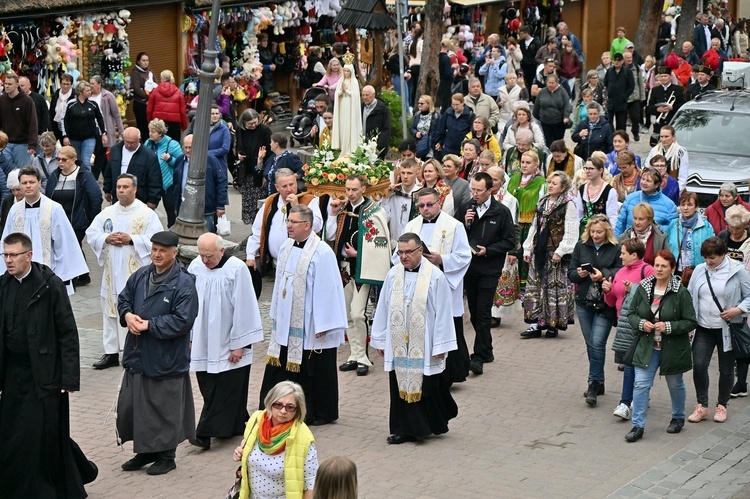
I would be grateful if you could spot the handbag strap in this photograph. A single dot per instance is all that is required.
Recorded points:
(643, 272)
(713, 295)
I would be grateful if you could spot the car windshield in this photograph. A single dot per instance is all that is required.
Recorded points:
(713, 132)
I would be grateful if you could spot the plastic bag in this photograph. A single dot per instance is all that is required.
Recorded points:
(223, 226)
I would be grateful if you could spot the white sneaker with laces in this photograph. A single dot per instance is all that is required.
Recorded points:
(622, 411)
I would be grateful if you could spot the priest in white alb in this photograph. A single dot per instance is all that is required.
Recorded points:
(448, 245)
(309, 319)
(44, 221)
(413, 330)
(120, 237)
(227, 326)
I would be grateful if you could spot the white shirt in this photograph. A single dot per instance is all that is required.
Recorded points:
(267, 472)
(278, 233)
(482, 208)
(127, 155)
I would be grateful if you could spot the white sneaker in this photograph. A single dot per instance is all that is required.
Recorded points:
(622, 411)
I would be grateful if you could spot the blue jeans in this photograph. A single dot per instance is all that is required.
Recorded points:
(84, 150)
(644, 380)
(210, 222)
(628, 380)
(19, 154)
(396, 79)
(595, 329)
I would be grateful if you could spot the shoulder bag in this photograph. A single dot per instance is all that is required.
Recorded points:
(740, 332)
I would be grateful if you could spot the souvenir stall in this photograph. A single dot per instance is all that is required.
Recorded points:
(80, 45)
(265, 48)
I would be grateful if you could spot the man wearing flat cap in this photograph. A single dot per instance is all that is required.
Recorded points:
(155, 405)
(702, 82)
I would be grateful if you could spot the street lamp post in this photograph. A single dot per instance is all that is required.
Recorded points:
(191, 222)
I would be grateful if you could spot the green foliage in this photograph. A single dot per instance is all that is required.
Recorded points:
(393, 101)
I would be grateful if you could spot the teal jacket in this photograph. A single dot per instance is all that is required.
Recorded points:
(678, 313)
(675, 236)
(171, 147)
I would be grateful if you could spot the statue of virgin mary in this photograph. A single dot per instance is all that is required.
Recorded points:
(347, 112)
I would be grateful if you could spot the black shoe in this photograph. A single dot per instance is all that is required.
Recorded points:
(591, 393)
(739, 390)
(348, 366)
(362, 369)
(203, 443)
(634, 435)
(495, 322)
(82, 280)
(138, 462)
(620, 367)
(551, 333)
(162, 467)
(397, 438)
(318, 422)
(636, 137)
(531, 333)
(599, 389)
(476, 366)
(489, 359)
(107, 360)
(675, 426)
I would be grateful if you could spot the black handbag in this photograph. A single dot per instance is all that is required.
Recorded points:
(740, 332)
(627, 359)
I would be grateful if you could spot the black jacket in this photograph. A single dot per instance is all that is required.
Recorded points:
(83, 120)
(619, 87)
(144, 165)
(599, 138)
(42, 112)
(88, 198)
(606, 259)
(163, 351)
(695, 89)
(495, 231)
(445, 73)
(379, 120)
(249, 143)
(659, 94)
(51, 331)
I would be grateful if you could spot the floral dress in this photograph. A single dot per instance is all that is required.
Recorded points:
(508, 291)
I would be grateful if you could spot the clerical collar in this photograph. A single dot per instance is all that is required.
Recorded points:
(415, 269)
(223, 260)
(300, 244)
(36, 204)
(434, 220)
(20, 279)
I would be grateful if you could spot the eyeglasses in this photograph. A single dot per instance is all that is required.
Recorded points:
(425, 205)
(588, 168)
(61, 158)
(408, 252)
(295, 221)
(13, 256)
(660, 165)
(421, 103)
(289, 407)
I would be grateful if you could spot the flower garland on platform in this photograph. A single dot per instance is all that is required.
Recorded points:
(327, 166)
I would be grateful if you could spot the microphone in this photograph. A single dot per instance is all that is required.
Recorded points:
(473, 207)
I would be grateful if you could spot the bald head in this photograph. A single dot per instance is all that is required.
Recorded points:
(210, 249)
(187, 145)
(368, 94)
(24, 84)
(132, 138)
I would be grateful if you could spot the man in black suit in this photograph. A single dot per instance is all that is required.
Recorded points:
(619, 82)
(669, 95)
(702, 36)
(129, 156)
(492, 234)
(702, 82)
(376, 117)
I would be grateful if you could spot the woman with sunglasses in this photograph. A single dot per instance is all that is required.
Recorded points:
(277, 438)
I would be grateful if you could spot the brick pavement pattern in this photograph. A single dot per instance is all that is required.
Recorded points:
(523, 428)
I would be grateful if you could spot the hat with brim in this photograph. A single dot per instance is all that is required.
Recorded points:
(703, 69)
(165, 238)
(663, 70)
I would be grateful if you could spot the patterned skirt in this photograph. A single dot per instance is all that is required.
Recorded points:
(250, 197)
(523, 267)
(549, 301)
(508, 291)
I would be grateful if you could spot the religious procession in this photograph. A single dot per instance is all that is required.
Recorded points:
(434, 191)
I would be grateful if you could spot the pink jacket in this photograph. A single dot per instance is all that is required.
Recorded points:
(631, 273)
(332, 80)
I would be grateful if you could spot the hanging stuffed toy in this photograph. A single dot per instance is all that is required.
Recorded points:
(5, 47)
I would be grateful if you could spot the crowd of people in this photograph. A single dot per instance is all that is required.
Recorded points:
(488, 208)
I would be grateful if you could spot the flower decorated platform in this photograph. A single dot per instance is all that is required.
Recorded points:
(327, 171)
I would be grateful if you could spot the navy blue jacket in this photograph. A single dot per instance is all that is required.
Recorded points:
(216, 185)
(144, 165)
(287, 160)
(219, 142)
(598, 139)
(450, 131)
(88, 198)
(162, 352)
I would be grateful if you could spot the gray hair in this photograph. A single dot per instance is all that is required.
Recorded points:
(218, 240)
(525, 135)
(595, 105)
(282, 172)
(132, 178)
(13, 182)
(737, 216)
(591, 74)
(474, 79)
(283, 389)
(305, 213)
(98, 79)
(158, 126)
(730, 188)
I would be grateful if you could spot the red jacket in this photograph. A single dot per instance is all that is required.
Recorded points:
(715, 214)
(167, 103)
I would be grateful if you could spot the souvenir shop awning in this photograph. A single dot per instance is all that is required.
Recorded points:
(364, 14)
(412, 3)
(471, 3)
(49, 8)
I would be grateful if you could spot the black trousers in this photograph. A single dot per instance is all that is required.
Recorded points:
(412, 84)
(100, 158)
(704, 342)
(553, 132)
(457, 364)
(634, 110)
(480, 292)
(168, 199)
(174, 130)
(619, 119)
(141, 119)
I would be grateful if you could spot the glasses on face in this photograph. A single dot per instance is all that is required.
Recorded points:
(13, 256)
(295, 222)
(589, 168)
(477, 191)
(421, 103)
(425, 205)
(62, 158)
(408, 252)
(289, 407)
(660, 165)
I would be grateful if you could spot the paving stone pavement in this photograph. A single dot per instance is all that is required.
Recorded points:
(523, 428)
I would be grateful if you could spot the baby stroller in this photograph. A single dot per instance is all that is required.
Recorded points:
(303, 122)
